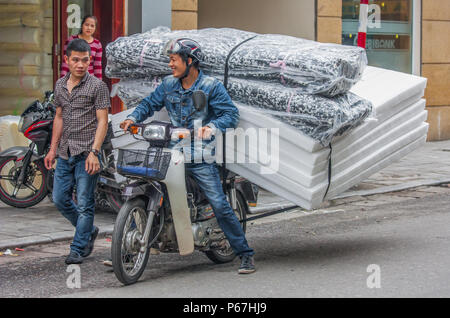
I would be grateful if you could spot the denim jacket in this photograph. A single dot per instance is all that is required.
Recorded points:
(220, 112)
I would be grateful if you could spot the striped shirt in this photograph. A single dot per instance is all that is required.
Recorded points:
(79, 113)
(95, 68)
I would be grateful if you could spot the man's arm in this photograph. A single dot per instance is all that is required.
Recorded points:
(102, 128)
(102, 104)
(56, 137)
(92, 162)
(147, 107)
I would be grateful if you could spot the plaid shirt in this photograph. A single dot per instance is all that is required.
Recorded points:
(79, 113)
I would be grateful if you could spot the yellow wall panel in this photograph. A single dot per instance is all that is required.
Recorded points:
(184, 20)
(436, 42)
(329, 8)
(329, 30)
(184, 5)
(439, 119)
(438, 88)
(436, 10)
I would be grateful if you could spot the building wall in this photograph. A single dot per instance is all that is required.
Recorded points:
(436, 65)
(184, 14)
(253, 15)
(156, 13)
(26, 41)
(435, 55)
(289, 17)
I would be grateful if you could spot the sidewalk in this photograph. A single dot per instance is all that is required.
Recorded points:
(429, 165)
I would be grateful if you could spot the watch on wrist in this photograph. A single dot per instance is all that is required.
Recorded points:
(95, 152)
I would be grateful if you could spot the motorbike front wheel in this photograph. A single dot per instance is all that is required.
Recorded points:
(128, 261)
(34, 187)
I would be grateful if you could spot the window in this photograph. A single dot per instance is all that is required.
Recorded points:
(389, 34)
(76, 10)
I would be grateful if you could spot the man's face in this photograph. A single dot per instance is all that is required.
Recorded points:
(78, 63)
(177, 65)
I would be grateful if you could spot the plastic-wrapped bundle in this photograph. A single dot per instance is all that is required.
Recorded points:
(133, 91)
(318, 117)
(311, 67)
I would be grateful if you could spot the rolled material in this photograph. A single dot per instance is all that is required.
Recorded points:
(310, 67)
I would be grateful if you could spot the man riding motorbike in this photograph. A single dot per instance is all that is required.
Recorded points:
(175, 94)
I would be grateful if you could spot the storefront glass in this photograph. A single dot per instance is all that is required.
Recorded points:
(389, 33)
(76, 10)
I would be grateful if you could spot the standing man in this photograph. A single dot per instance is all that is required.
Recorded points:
(175, 93)
(79, 128)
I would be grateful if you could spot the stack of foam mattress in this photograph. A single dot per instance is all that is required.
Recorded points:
(298, 167)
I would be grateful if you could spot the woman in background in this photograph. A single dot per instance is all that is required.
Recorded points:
(88, 27)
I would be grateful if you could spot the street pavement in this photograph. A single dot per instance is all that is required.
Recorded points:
(427, 166)
(386, 245)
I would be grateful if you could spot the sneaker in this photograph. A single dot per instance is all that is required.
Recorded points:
(247, 265)
(90, 246)
(74, 258)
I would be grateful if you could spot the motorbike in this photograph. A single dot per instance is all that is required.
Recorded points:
(24, 179)
(164, 207)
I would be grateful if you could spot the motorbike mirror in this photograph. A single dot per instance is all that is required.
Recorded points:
(48, 94)
(199, 99)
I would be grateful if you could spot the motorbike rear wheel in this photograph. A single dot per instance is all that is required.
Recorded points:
(226, 254)
(128, 261)
(31, 192)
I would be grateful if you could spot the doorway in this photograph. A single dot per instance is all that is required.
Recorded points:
(68, 17)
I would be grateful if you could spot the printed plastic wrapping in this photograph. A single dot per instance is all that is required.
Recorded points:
(308, 66)
(316, 116)
(133, 91)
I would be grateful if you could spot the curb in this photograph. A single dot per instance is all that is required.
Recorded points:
(107, 230)
(380, 190)
(394, 188)
(49, 238)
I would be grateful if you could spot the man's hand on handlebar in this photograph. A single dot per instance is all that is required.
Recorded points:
(126, 124)
(205, 133)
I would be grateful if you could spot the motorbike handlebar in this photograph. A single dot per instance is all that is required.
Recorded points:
(174, 132)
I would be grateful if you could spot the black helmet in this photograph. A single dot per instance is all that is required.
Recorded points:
(185, 48)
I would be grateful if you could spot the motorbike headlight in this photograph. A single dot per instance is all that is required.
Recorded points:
(155, 132)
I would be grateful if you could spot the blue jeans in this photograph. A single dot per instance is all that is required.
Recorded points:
(67, 174)
(208, 178)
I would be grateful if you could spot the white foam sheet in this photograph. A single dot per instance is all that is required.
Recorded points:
(289, 188)
(304, 165)
(354, 153)
(386, 89)
(394, 157)
(390, 130)
(306, 151)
